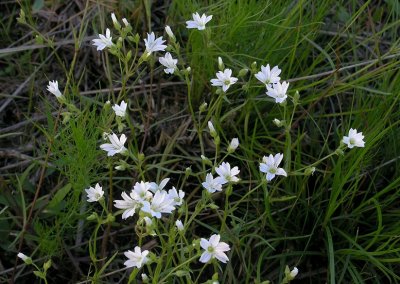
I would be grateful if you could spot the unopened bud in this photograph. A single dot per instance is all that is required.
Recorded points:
(213, 133)
(278, 122)
(221, 64)
(309, 171)
(126, 23)
(203, 107)
(117, 25)
(170, 33)
(233, 145)
(243, 72)
(47, 265)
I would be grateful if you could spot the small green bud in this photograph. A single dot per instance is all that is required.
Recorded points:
(296, 98)
(217, 141)
(254, 67)
(221, 64)
(141, 157)
(243, 72)
(92, 217)
(279, 123)
(203, 107)
(47, 265)
(309, 171)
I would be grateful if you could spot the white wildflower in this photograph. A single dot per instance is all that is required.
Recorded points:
(169, 63)
(268, 76)
(198, 22)
(53, 88)
(120, 110)
(94, 194)
(211, 184)
(103, 41)
(354, 139)
(136, 258)
(270, 166)
(116, 146)
(278, 91)
(154, 44)
(213, 248)
(226, 174)
(224, 79)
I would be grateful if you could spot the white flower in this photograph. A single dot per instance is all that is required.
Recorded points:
(116, 146)
(268, 76)
(354, 139)
(198, 22)
(128, 203)
(168, 62)
(233, 145)
(224, 79)
(141, 192)
(137, 258)
(294, 272)
(152, 44)
(120, 110)
(94, 194)
(25, 258)
(160, 204)
(169, 32)
(213, 248)
(212, 185)
(175, 196)
(278, 91)
(154, 186)
(270, 166)
(53, 88)
(179, 225)
(103, 41)
(226, 174)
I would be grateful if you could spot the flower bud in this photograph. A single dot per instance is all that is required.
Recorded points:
(279, 123)
(179, 225)
(221, 64)
(47, 265)
(309, 171)
(233, 145)
(170, 33)
(243, 72)
(117, 25)
(25, 258)
(203, 107)
(141, 157)
(126, 23)
(213, 133)
(293, 273)
(145, 278)
(92, 217)
(254, 67)
(296, 98)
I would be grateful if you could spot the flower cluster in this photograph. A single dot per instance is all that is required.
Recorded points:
(270, 78)
(151, 201)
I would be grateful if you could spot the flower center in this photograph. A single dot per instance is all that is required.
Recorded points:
(210, 249)
(227, 82)
(272, 170)
(352, 141)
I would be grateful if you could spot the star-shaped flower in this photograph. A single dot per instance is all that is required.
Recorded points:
(160, 204)
(212, 184)
(198, 22)
(278, 91)
(120, 110)
(103, 41)
(169, 63)
(136, 258)
(129, 203)
(94, 194)
(224, 79)
(268, 76)
(213, 248)
(270, 166)
(226, 174)
(116, 146)
(154, 44)
(354, 139)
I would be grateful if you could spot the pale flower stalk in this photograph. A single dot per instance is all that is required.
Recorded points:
(116, 146)
(94, 194)
(268, 76)
(278, 91)
(137, 258)
(354, 139)
(103, 41)
(213, 248)
(198, 22)
(168, 62)
(120, 110)
(270, 166)
(224, 79)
